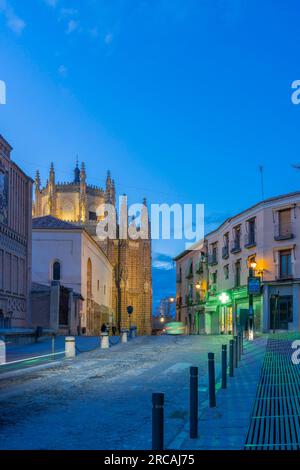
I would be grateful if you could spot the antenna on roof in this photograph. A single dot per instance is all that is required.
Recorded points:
(261, 170)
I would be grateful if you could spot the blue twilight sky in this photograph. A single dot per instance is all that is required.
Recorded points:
(181, 99)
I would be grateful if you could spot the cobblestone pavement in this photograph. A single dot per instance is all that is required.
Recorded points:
(102, 399)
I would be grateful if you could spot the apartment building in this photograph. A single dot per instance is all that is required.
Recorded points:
(255, 252)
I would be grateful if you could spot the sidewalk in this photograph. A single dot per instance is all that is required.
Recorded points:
(226, 426)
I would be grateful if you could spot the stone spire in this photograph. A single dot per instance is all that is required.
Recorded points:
(52, 174)
(37, 193)
(77, 173)
(83, 195)
(37, 180)
(110, 190)
(52, 192)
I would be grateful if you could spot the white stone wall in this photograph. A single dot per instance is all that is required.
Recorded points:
(72, 248)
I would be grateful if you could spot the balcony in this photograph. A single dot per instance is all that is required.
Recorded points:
(235, 246)
(250, 240)
(283, 231)
(212, 259)
(225, 252)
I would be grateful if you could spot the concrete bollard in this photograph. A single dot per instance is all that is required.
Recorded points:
(158, 400)
(70, 346)
(124, 338)
(2, 352)
(104, 340)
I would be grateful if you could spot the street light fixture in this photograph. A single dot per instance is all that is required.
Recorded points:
(198, 286)
(252, 267)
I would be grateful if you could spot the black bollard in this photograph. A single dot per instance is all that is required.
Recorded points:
(224, 366)
(231, 358)
(240, 346)
(211, 380)
(158, 421)
(193, 402)
(242, 342)
(235, 349)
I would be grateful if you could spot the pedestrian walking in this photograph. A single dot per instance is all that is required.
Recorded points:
(103, 328)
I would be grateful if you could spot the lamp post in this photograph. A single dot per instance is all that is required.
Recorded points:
(252, 267)
(129, 311)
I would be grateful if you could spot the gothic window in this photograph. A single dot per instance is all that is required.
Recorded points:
(56, 271)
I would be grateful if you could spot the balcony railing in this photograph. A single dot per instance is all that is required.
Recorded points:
(225, 251)
(283, 231)
(235, 245)
(212, 259)
(250, 239)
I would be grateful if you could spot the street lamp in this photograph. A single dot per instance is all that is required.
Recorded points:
(198, 285)
(129, 311)
(252, 267)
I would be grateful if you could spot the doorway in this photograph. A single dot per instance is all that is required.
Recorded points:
(281, 312)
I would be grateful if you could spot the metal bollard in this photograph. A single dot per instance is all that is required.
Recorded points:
(193, 402)
(240, 346)
(235, 355)
(70, 346)
(158, 400)
(224, 366)
(231, 358)
(211, 380)
(242, 342)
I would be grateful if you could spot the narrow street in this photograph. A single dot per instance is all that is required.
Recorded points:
(102, 399)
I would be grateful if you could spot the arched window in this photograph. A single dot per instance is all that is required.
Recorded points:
(56, 271)
(89, 278)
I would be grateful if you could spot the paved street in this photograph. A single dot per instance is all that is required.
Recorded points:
(102, 399)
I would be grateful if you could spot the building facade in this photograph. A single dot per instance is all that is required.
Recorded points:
(261, 244)
(15, 241)
(67, 255)
(81, 204)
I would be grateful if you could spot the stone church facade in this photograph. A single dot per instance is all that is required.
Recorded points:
(78, 202)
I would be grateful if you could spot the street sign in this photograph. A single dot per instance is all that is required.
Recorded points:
(254, 286)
